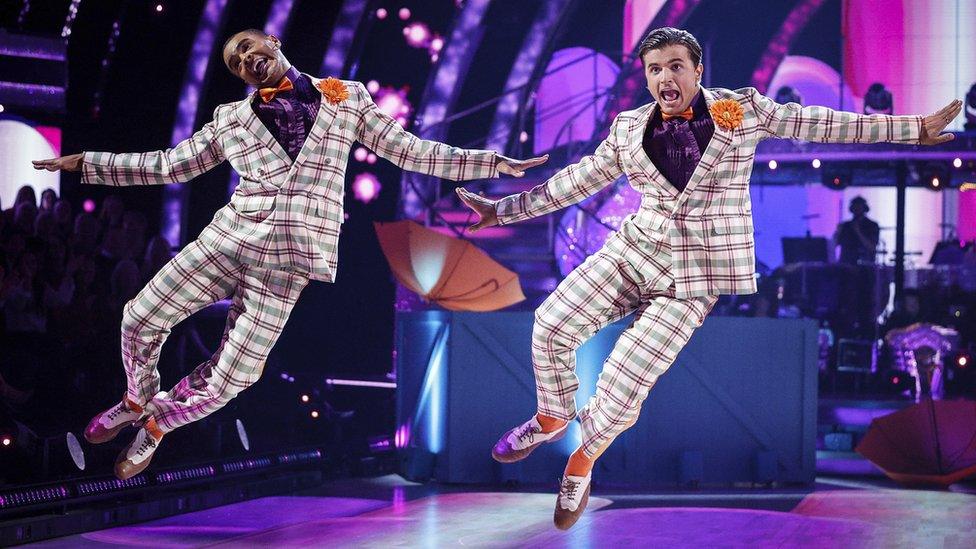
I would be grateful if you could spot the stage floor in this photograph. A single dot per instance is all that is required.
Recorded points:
(389, 512)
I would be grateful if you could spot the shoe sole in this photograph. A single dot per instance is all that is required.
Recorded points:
(564, 520)
(125, 469)
(519, 455)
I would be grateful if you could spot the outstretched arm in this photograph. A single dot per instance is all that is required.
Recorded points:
(569, 186)
(814, 123)
(186, 160)
(381, 133)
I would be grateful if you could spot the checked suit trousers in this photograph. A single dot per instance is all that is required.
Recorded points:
(630, 274)
(198, 276)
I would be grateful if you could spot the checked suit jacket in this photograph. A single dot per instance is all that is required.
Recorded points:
(284, 214)
(709, 224)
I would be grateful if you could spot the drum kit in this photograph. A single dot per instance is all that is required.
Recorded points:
(849, 300)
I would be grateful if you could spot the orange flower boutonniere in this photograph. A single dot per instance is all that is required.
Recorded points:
(726, 113)
(334, 90)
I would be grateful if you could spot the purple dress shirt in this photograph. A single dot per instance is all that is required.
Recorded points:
(675, 146)
(290, 115)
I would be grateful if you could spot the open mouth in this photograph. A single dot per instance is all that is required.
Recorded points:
(260, 68)
(670, 96)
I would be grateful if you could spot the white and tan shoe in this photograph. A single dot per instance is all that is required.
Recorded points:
(136, 456)
(106, 425)
(574, 493)
(518, 443)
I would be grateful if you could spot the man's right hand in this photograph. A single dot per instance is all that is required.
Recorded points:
(482, 206)
(70, 163)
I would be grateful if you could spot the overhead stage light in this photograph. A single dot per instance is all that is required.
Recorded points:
(878, 100)
(935, 176)
(787, 94)
(835, 177)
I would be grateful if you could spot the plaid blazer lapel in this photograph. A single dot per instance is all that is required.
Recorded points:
(641, 160)
(256, 128)
(721, 141)
(320, 127)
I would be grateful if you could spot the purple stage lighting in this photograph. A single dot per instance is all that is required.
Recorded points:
(366, 187)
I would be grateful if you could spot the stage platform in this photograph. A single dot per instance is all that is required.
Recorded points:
(390, 512)
(738, 406)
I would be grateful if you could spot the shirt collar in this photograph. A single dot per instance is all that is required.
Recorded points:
(293, 74)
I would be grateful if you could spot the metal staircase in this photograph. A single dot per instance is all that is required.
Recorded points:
(526, 247)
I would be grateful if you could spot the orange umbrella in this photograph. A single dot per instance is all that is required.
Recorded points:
(930, 443)
(448, 271)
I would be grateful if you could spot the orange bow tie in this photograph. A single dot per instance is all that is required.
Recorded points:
(267, 94)
(686, 115)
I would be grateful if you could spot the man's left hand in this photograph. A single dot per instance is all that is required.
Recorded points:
(516, 168)
(933, 124)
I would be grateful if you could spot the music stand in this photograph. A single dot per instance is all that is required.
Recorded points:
(804, 250)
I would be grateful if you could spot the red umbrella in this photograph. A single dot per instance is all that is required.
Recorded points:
(932, 442)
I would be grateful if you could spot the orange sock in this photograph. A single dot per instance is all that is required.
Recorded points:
(549, 424)
(579, 465)
(132, 405)
(153, 429)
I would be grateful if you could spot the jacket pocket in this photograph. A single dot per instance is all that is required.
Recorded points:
(249, 204)
(730, 225)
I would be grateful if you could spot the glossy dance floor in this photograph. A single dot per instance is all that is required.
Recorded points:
(397, 514)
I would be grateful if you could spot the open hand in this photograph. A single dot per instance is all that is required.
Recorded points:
(70, 163)
(933, 124)
(484, 207)
(516, 168)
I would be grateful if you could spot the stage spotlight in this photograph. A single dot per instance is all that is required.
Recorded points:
(878, 100)
(75, 451)
(242, 435)
(962, 361)
(366, 187)
(305, 398)
(773, 164)
(404, 13)
(815, 163)
(787, 94)
(159, 8)
(418, 35)
(900, 381)
(957, 163)
(380, 444)
(1, 108)
(6, 441)
(835, 178)
(381, 13)
(935, 176)
(970, 109)
(315, 414)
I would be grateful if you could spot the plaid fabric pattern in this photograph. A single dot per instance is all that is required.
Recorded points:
(632, 273)
(199, 276)
(286, 215)
(709, 223)
(280, 229)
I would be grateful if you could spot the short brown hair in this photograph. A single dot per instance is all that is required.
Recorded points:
(670, 36)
